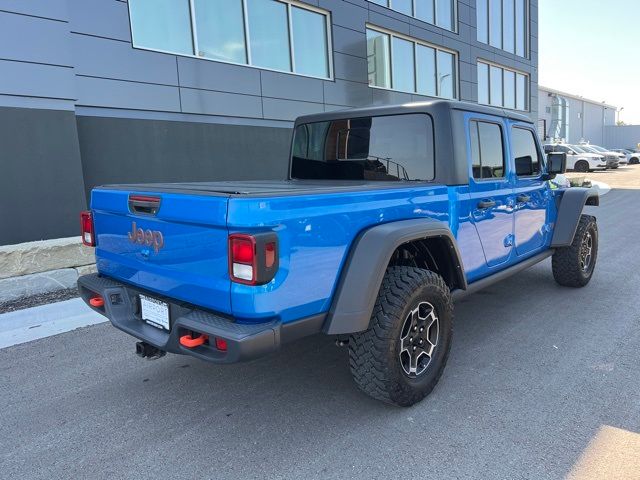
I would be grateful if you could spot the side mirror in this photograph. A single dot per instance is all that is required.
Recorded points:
(524, 166)
(556, 163)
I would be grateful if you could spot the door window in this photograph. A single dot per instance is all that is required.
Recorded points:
(487, 155)
(525, 152)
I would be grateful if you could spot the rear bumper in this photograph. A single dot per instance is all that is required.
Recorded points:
(244, 341)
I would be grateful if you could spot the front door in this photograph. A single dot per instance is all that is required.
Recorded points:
(531, 193)
(491, 189)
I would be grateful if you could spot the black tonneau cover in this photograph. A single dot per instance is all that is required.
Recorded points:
(263, 188)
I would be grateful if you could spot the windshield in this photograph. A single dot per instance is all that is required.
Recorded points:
(598, 149)
(391, 147)
(589, 148)
(578, 149)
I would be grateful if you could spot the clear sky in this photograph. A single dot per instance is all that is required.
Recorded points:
(592, 48)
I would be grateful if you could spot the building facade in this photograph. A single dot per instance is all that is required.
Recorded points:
(110, 91)
(574, 119)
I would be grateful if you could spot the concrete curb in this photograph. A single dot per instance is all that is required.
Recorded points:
(43, 256)
(43, 282)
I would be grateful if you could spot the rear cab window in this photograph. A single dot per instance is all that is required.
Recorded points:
(376, 148)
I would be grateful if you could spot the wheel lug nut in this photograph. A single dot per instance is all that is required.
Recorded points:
(420, 341)
(411, 339)
(421, 328)
(414, 348)
(415, 328)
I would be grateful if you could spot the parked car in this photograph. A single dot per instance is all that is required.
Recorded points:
(613, 158)
(578, 159)
(388, 215)
(633, 157)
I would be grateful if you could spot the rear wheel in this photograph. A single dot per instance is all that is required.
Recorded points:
(634, 161)
(400, 358)
(573, 265)
(581, 166)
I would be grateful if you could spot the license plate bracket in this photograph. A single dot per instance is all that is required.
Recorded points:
(155, 312)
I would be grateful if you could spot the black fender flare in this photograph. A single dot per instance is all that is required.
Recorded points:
(572, 203)
(366, 264)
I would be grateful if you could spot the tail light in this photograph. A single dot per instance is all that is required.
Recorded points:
(253, 259)
(86, 227)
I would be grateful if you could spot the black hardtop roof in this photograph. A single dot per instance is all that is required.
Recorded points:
(430, 106)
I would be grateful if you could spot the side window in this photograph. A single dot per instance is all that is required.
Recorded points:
(487, 157)
(525, 153)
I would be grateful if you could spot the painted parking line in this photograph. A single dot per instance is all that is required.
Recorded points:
(45, 320)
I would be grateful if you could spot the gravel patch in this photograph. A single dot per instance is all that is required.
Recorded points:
(38, 300)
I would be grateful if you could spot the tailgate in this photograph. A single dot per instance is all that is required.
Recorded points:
(177, 249)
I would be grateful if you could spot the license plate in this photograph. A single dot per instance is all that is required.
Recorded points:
(155, 312)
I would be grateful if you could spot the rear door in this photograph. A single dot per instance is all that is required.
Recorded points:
(532, 195)
(491, 188)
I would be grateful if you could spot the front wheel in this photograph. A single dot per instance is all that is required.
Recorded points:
(581, 166)
(400, 358)
(573, 265)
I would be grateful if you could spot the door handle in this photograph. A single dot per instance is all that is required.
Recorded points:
(483, 204)
(523, 198)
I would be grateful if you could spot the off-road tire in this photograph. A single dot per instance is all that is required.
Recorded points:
(374, 354)
(566, 261)
(581, 166)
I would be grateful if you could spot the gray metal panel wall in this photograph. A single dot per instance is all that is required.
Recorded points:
(623, 136)
(41, 186)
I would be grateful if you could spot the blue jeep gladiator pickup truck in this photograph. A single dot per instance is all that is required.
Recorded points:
(388, 215)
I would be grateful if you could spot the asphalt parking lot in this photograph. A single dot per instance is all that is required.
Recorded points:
(542, 382)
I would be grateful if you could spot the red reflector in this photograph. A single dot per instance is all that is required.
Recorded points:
(221, 344)
(97, 302)
(86, 227)
(242, 249)
(270, 254)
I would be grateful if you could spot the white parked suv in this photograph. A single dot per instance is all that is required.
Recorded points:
(633, 157)
(609, 155)
(578, 159)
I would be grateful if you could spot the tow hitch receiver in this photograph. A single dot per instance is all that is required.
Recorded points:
(144, 350)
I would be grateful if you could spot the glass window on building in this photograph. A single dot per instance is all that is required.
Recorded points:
(522, 92)
(441, 13)
(425, 10)
(269, 34)
(403, 65)
(446, 75)
(502, 87)
(162, 25)
(426, 72)
(483, 83)
(378, 59)
(509, 83)
(246, 32)
(508, 26)
(408, 65)
(495, 23)
(402, 6)
(310, 42)
(495, 86)
(521, 27)
(482, 19)
(503, 24)
(444, 14)
(221, 34)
